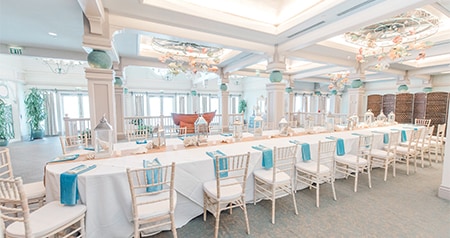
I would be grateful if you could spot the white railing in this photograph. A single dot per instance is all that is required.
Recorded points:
(78, 127)
(319, 118)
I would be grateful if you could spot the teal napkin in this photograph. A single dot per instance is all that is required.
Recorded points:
(267, 156)
(385, 138)
(68, 187)
(340, 148)
(153, 175)
(226, 134)
(141, 142)
(89, 148)
(223, 162)
(68, 184)
(403, 136)
(306, 152)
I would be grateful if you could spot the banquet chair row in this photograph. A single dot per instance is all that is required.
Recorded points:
(422, 122)
(408, 150)
(72, 143)
(437, 143)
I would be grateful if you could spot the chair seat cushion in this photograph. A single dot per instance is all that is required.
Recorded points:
(351, 160)
(34, 190)
(267, 175)
(377, 153)
(157, 208)
(231, 189)
(47, 218)
(404, 150)
(311, 167)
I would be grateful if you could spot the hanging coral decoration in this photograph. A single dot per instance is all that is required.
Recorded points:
(338, 81)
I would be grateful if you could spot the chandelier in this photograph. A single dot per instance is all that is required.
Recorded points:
(338, 81)
(395, 38)
(187, 57)
(60, 66)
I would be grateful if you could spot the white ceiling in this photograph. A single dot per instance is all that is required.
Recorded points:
(308, 36)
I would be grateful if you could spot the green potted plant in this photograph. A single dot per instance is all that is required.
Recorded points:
(6, 123)
(35, 111)
(242, 108)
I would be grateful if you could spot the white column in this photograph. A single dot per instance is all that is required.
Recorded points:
(275, 101)
(119, 100)
(101, 96)
(356, 101)
(225, 121)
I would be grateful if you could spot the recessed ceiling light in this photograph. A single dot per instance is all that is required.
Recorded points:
(52, 34)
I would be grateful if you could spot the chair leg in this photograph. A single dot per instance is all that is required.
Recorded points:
(216, 226)
(254, 191)
(386, 165)
(246, 216)
(317, 194)
(356, 180)
(174, 228)
(204, 206)
(369, 176)
(334, 191)
(407, 165)
(394, 167)
(273, 208)
(293, 199)
(415, 163)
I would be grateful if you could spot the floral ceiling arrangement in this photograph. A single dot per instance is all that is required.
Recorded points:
(338, 81)
(187, 57)
(395, 38)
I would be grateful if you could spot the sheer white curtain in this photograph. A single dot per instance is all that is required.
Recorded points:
(51, 123)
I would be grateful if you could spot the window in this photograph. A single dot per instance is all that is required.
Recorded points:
(75, 105)
(302, 103)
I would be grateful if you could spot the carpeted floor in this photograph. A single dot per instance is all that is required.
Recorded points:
(403, 206)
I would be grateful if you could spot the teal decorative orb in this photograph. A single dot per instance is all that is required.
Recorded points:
(318, 93)
(427, 89)
(223, 87)
(194, 93)
(99, 59)
(276, 76)
(118, 81)
(357, 83)
(334, 92)
(403, 88)
(289, 89)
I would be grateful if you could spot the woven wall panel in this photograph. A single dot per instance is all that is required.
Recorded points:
(404, 107)
(420, 104)
(388, 103)
(436, 108)
(374, 103)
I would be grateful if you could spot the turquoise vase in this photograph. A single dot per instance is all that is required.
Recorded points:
(276, 76)
(289, 89)
(118, 81)
(427, 89)
(223, 87)
(356, 83)
(99, 59)
(403, 88)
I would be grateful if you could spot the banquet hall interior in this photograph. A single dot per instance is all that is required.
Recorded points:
(259, 73)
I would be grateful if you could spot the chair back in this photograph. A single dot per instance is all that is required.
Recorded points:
(422, 122)
(284, 159)
(364, 145)
(326, 152)
(440, 133)
(5, 164)
(393, 141)
(71, 143)
(413, 142)
(12, 192)
(236, 168)
(427, 135)
(147, 183)
(137, 134)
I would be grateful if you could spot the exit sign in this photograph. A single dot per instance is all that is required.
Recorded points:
(15, 50)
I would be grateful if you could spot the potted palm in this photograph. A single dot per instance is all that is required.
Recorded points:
(6, 123)
(35, 111)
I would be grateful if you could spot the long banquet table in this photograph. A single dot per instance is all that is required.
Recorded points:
(105, 191)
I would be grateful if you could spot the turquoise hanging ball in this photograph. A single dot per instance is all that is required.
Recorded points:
(276, 76)
(99, 59)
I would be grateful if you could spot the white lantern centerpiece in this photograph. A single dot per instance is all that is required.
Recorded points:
(381, 118)
(330, 122)
(368, 117)
(237, 129)
(158, 137)
(258, 126)
(201, 130)
(283, 127)
(103, 139)
(391, 118)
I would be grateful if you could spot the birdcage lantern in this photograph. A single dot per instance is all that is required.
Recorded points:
(104, 140)
(330, 121)
(283, 127)
(158, 137)
(368, 117)
(201, 130)
(381, 118)
(238, 127)
(391, 118)
(258, 126)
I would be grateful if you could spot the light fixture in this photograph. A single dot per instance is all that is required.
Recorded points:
(395, 38)
(60, 66)
(187, 57)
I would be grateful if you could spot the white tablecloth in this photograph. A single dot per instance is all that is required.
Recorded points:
(106, 193)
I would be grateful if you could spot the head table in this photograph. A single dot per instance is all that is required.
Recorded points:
(105, 191)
